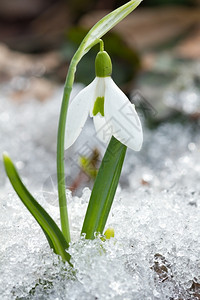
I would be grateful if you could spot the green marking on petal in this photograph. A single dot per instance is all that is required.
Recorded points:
(99, 106)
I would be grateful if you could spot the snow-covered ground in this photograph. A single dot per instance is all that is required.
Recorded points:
(156, 215)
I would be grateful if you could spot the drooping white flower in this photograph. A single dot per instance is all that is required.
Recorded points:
(112, 112)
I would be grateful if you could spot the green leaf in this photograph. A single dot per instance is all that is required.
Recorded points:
(104, 189)
(52, 232)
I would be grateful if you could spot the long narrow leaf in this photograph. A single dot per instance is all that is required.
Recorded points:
(53, 234)
(104, 189)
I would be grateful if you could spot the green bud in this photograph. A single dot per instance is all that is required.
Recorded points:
(109, 233)
(103, 64)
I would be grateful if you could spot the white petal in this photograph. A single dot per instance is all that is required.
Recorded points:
(78, 112)
(122, 117)
(103, 130)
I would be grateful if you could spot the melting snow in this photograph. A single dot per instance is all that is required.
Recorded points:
(156, 216)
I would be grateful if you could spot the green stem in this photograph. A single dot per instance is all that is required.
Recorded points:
(101, 45)
(60, 151)
(61, 140)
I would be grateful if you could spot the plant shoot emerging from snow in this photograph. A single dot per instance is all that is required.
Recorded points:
(115, 119)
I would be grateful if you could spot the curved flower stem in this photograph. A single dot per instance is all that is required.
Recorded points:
(101, 45)
(61, 140)
(60, 149)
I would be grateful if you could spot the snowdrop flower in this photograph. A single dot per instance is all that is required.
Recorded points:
(112, 112)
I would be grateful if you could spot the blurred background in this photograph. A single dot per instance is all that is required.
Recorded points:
(39, 37)
(156, 61)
